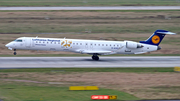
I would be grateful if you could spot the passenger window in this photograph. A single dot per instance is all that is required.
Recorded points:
(106, 44)
(94, 44)
(99, 44)
(110, 45)
(102, 44)
(80, 43)
(76, 43)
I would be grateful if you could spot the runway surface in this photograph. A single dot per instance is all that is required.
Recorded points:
(84, 62)
(96, 8)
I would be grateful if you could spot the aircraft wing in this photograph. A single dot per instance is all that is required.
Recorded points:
(140, 52)
(102, 52)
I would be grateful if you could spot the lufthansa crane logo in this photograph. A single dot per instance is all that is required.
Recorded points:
(155, 39)
(66, 43)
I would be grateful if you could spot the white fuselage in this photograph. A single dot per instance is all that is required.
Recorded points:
(100, 47)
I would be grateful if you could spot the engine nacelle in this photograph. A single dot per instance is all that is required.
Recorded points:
(133, 45)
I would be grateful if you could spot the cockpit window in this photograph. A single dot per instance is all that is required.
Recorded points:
(18, 40)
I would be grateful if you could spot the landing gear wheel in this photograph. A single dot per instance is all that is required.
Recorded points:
(14, 52)
(95, 58)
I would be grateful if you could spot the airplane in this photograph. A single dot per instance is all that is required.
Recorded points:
(92, 47)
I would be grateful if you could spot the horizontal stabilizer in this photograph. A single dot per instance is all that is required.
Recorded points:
(170, 33)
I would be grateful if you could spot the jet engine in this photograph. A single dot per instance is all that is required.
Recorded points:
(133, 45)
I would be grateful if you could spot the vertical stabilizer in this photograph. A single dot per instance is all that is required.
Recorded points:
(156, 37)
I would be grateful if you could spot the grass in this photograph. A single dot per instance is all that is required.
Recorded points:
(155, 11)
(89, 3)
(82, 21)
(13, 90)
(23, 92)
(169, 89)
(102, 27)
(68, 70)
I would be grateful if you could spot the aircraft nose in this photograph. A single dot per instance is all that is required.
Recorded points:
(8, 45)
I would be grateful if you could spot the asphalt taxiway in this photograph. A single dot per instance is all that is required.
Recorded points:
(85, 62)
(96, 8)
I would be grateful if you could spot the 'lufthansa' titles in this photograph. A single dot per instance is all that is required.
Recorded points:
(49, 40)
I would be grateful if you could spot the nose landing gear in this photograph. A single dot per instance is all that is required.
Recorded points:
(14, 52)
(95, 57)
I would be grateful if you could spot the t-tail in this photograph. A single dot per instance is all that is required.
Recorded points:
(156, 37)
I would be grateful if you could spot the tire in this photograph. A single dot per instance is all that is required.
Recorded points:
(96, 58)
(15, 53)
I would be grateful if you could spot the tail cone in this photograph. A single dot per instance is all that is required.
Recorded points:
(158, 48)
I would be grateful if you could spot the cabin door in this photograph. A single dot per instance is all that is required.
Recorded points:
(28, 42)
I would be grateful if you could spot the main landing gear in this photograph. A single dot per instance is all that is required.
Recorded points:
(95, 57)
(14, 52)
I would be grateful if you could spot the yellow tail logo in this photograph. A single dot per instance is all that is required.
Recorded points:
(155, 39)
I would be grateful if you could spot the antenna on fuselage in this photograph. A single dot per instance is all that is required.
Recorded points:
(64, 37)
(36, 36)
